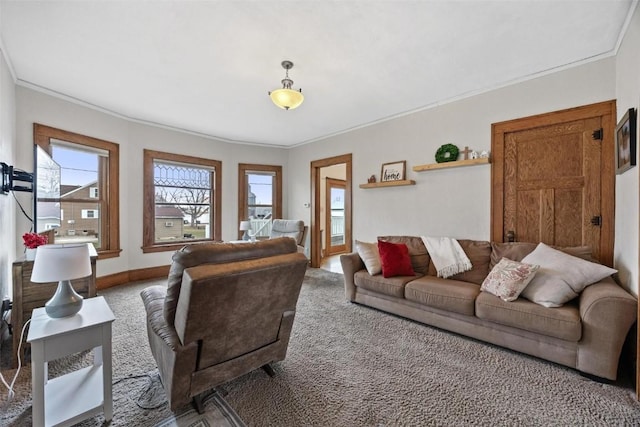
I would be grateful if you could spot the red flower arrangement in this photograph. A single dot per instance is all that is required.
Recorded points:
(33, 240)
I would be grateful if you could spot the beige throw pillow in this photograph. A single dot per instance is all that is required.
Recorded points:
(561, 277)
(369, 254)
(508, 279)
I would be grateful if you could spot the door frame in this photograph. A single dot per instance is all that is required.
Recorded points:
(607, 111)
(316, 225)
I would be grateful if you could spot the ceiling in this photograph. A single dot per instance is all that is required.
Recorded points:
(206, 66)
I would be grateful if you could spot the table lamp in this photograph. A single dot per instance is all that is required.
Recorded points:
(62, 263)
(245, 226)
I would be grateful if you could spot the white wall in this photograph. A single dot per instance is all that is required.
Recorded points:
(450, 202)
(628, 96)
(7, 203)
(37, 107)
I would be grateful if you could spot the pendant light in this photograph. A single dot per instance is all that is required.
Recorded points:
(287, 98)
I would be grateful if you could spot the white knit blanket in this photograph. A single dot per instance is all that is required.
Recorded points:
(447, 256)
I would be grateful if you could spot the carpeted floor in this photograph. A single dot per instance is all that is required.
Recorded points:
(350, 365)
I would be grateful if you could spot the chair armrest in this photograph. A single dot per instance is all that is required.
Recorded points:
(607, 312)
(175, 362)
(153, 300)
(351, 263)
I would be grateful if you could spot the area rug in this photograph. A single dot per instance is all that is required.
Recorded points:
(350, 365)
(217, 413)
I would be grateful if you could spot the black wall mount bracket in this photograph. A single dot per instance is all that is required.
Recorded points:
(11, 175)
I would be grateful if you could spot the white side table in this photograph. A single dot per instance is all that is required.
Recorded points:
(70, 398)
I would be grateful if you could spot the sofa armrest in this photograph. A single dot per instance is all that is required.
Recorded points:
(351, 263)
(607, 312)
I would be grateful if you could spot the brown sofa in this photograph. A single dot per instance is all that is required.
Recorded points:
(586, 334)
(227, 309)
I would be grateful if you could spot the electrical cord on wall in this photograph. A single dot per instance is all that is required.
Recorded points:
(10, 386)
(22, 209)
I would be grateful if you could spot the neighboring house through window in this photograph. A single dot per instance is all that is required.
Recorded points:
(89, 188)
(260, 196)
(181, 200)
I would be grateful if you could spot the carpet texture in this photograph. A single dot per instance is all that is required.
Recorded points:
(350, 365)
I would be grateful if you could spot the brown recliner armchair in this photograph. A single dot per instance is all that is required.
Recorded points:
(228, 309)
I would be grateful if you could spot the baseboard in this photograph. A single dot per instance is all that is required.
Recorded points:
(150, 273)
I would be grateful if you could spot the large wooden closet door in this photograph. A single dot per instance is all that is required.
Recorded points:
(553, 179)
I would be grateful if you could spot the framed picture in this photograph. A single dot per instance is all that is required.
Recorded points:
(626, 142)
(393, 171)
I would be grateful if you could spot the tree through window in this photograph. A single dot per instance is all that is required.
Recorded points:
(88, 205)
(182, 194)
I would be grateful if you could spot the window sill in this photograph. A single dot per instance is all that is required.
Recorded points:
(114, 253)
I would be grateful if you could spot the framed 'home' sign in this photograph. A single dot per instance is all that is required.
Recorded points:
(393, 171)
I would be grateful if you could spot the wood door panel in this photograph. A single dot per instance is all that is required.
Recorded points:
(568, 212)
(547, 217)
(550, 177)
(549, 158)
(526, 222)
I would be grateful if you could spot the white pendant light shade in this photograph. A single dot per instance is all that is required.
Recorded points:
(287, 98)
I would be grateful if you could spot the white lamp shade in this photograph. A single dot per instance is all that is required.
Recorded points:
(245, 225)
(54, 263)
(287, 99)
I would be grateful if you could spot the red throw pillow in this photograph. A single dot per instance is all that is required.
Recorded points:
(395, 259)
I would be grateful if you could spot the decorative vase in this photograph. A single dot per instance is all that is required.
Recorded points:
(30, 254)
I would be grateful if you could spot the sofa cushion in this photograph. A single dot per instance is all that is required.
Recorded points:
(395, 260)
(561, 276)
(446, 294)
(393, 286)
(516, 251)
(417, 251)
(370, 256)
(563, 322)
(479, 253)
(508, 279)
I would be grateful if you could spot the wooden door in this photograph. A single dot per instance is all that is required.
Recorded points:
(335, 226)
(316, 224)
(553, 179)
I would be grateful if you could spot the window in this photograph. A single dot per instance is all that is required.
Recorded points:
(260, 196)
(182, 199)
(89, 187)
(89, 213)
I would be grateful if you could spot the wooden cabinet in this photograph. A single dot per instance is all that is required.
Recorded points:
(28, 295)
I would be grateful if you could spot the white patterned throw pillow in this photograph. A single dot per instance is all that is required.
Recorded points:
(508, 279)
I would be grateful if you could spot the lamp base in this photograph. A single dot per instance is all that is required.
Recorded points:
(65, 302)
(245, 236)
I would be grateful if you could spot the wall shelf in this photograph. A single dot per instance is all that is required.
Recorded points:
(388, 184)
(456, 164)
